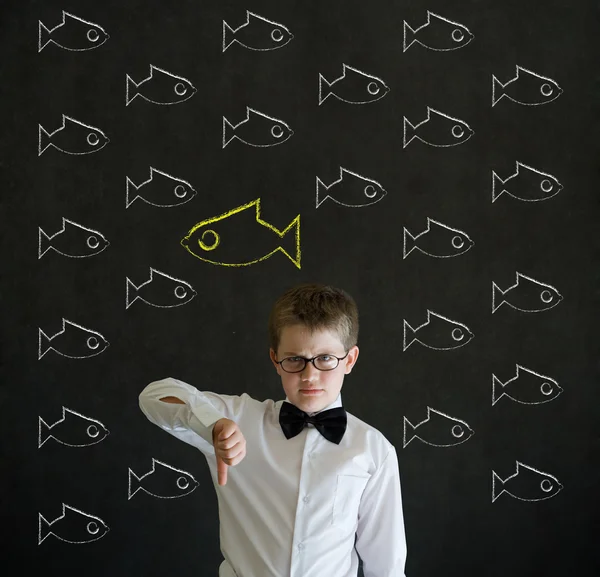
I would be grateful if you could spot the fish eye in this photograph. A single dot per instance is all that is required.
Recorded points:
(93, 527)
(277, 35)
(372, 88)
(457, 131)
(457, 242)
(93, 242)
(180, 191)
(457, 35)
(92, 35)
(546, 295)
(546, 89)
(92, 138)
(277, 131)
(546, 185)
(180, 89)
(370, 190)
(93, 343)
(180, 292)
(457, 334)
(546, 388)
(546, 485)
(183, 483)
(457, 431)
(206, 243)
(93, 431)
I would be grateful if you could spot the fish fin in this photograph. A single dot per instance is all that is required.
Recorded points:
(228, 132)
(44, 528)
(496, 182)
(496, 293)
(408, 33)
(134, 484)
(44, 432)
(409, 242)
(496, 382)
(408, 426)
(128, 199)
(408, 328)
(43, 36)
(130, 88)
(294, 227)
(228, 36)
(43, 339)
(320, 187)
(44, 243)
(496, 479)
(130, 286)
(323, 84)
(44, 139)
(496, 85)
(409, 130)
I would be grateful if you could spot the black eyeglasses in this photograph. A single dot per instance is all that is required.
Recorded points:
(320, 362)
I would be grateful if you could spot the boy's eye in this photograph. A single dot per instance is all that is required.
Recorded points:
(324, 357)
(294, 359)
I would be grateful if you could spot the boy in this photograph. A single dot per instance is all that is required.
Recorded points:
(310, 491)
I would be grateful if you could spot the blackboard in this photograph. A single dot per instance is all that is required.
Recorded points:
(439, 161)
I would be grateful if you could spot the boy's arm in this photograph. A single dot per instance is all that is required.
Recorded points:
(380, 537)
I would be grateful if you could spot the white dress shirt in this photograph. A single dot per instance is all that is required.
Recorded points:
(293, 507)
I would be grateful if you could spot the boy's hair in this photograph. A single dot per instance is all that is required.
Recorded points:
(318, 307)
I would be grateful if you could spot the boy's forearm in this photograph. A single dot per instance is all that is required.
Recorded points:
(173, 400)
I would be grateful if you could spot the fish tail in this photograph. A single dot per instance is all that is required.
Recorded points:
(44, 432)
(324, 88)
(128, 200)
(131, 89)
(228, 36)
(410, 429)
(409, 33)
(44, 243)
(43, 36)
(44, 140)
(409, 242)
(130, 286)
(320, 191)
(497, 293)
(408, 330)
(44, 528)
(409, 130)
(497, 384)
(497, 182)
(294, 227)
(495, 480)
(45, 341)
(134, 484)
(496, 85)
(228, 132)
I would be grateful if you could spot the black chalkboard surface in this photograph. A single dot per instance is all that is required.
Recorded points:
(170, 168)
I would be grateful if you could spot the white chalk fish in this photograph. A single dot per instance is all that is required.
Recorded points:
(438, 129)
(438, 240)
(73, 33)
(353, 86)
(74, 341)
(73, 526)
(161, 189)
(437, 332)
(527, 484)
(527, 87)
(257, 129)
(350, 189)
(73, 240)
(527, 294)
(526, 183)
(161, 290)
(438, 33)
(257, 33)
(74, 430)
(162, 481)
(438, 430)
(160, 87)
(73, 137)
(526, 387)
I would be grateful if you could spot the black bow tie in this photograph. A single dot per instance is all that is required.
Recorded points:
(331, 423)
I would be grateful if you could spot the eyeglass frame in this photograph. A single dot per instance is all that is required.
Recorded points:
(306, 361)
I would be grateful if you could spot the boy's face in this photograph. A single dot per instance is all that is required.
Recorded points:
(297, 341)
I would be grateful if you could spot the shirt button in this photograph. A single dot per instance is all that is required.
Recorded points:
(300, 545)
(306, 499)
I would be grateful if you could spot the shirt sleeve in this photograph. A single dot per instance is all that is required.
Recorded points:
(192, 422)
(380, 537)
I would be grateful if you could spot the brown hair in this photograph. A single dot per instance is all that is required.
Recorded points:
(318, 307)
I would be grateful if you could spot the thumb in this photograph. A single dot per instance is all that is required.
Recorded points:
(221, 471)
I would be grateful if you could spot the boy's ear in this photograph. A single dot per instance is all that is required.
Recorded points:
(351, 358)
(273, 357)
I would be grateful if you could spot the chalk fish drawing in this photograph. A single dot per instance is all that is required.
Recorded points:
(161, 189)
(238, 241)
(257, 33)
(73, 137)
(527, 387)
(74, 341)
(161, 290)
(73, 33)
(74, 430)
(527, 484)
(438, 240)
(257, 129)
(438, 33)
(527, 87)
(527, 294)
(161, 87)
(353, 86)
(350, 189)
(72, 240)
(73, 526)
(438, 129)
(438, 430)
(162, 481)
(437, 332)
(527, 183)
